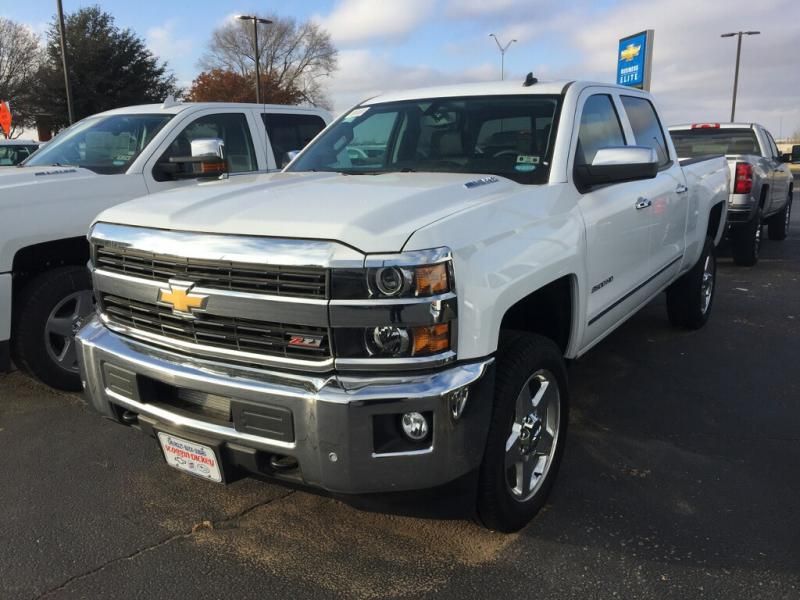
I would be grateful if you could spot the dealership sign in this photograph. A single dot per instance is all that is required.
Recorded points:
(635, 59)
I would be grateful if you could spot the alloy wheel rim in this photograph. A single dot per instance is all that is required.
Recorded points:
(531, 445)
(707, 284)
(63, 323)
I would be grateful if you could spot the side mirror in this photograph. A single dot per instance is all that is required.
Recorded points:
(796, 153)
(616, 165)
(206, 161)
(785, 158)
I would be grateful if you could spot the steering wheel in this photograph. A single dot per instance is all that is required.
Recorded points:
(503, 153)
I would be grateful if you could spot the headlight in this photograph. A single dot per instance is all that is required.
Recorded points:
(399, 310)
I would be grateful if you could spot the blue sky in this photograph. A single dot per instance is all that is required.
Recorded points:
(386, 45)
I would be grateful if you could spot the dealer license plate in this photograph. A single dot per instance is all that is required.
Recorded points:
(191, 457)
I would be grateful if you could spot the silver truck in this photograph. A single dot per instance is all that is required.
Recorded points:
(761, 190)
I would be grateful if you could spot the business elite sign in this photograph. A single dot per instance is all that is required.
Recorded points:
(635, 60)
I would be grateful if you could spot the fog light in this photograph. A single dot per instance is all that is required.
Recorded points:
(415, 426)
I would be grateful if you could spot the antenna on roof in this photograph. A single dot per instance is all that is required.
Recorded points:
(529, 80)
(170, 101)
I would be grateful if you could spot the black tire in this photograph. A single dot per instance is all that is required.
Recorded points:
(520, 357)
(778, 227)
(746, 241)
(34, 350)
(686, 298)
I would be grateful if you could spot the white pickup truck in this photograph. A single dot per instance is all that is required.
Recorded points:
(48, 203)
(395, 310)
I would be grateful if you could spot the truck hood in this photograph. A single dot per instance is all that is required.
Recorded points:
(42, 179)
(372, 213)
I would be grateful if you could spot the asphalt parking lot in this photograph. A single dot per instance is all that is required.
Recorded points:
(680, 480)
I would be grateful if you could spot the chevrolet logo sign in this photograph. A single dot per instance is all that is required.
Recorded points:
(631, 52)
(182, 301)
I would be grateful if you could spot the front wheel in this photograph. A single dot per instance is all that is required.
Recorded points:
(527, 433)
(48, 314)
(689, 300)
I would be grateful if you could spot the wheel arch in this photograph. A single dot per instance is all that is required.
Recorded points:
(548, 311)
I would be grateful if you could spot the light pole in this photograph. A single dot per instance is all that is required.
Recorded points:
(63, 36)
(256, 21)
(738, 56)
(502, 54)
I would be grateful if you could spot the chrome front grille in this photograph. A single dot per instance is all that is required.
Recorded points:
(215, 332)
(297, 282)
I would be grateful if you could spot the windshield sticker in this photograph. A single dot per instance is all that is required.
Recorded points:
(355, 113)
(525, 159)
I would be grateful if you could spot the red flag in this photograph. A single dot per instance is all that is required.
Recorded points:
(5, 118)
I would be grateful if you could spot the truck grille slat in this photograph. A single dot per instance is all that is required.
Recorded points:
(301, 282)
(244, 335)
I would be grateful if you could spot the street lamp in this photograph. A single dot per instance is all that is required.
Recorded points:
(738, 55)
(256, 21)
(502, 54)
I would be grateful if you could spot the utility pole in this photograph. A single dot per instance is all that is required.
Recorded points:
(736, 72)
(502, 54)
(63, 36)
(256, 20)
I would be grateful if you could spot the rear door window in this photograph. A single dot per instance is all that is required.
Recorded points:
(288, 132)
(646, 126)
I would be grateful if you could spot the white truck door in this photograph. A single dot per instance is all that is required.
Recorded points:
(617, 233)
(235, 127)
(667, 194)
(779, 176)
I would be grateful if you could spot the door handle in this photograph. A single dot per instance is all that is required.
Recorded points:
(681, 189)
(643, 203)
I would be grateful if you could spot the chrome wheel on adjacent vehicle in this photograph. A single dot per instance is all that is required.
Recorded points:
(62, 325)
(534, 434)
(707, 284)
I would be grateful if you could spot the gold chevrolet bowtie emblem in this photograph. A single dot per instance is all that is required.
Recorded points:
(182, 301)
(631, 52)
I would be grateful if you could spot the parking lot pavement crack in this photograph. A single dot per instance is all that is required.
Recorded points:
(227, 523)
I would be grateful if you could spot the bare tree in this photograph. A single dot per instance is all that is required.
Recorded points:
(20, 57)
(294, 56)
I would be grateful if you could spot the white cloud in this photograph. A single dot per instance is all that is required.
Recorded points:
(354, 21)
(164, 43)
(363, 74)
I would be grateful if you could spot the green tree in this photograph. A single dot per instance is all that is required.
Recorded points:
(109, 67)
(20, 58)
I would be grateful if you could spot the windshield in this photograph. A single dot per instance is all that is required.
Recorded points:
(106, 145)
(13, 154)
(691, 143)
(511, 136)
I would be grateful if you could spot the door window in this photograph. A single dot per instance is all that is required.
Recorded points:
(231, 128)
(289, 132)
(773, 146)
(646, 127)
(599, 128)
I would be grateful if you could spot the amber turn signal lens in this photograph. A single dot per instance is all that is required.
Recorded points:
(431, 340)
(432, 280)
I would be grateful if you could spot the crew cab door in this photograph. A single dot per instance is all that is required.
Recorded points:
(667, 194)
(617, 232)
(234, 127)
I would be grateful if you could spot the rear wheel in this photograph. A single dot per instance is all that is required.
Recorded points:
(527, 433)
(689, 300)
(50, 311)
(779, 223)
(746, 241)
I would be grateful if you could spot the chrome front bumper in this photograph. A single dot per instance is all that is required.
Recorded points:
(333, 417)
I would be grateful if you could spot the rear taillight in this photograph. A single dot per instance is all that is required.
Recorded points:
(744, 178)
